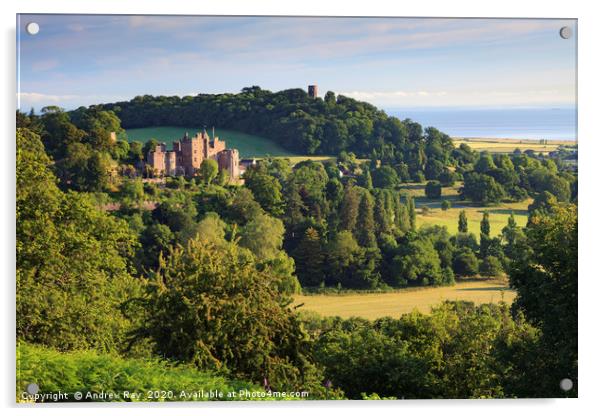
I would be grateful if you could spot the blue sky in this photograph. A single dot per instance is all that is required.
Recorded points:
(391, 62)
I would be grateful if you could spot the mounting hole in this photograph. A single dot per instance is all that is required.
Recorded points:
(566, 384)
(32, 28)
(32, 388)
(566, 32)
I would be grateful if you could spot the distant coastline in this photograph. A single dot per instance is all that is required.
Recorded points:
(509, 140)
(553, 124)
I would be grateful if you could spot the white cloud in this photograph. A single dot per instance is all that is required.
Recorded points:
(367, 95)
(35, 97)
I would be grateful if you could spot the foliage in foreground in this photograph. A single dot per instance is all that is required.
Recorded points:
(459, 351)
(72, 260)
(209, 305)
(89, 371)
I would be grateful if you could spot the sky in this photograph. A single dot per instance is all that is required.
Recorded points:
(393, 63)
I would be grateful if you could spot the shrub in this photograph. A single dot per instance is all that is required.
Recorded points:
(418, 177)
(446, 204)
(212, 306)
(432, 190)
(91, 372)
(447, 178)
(465, 263)
(491, 266)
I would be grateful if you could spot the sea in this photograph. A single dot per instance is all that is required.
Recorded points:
(516, 123)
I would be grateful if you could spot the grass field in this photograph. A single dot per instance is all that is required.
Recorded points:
(248, 145)
(508, 145)
(377, 305)
(498, 215)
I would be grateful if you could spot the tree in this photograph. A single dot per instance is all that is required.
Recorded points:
(263, 235)
(462, 222)
(465, 263)
(546, 283)
(309, 258)
(132, 190)
(491, 266)
(482, 188)
(426, 355)
(244, 207)
(223, 177)
(341, 254)
(155, 240)
(72, 261)
(434, 168)
(295, 208)
(210, 306)
(446, 204)
(59, 132)
(366, 179)
(211, 228)
(385, 177)
(447, 178)
(485, 226)
(350, 208)
(411, 208)
(208, 170)
(365, 222)
(544, 202)
(432, 190)
(266, 190)
(417, 262)
(485, 163)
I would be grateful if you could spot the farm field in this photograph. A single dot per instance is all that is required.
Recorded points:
(248, 145)
(509, 145)
(377, 305)
(498, 215)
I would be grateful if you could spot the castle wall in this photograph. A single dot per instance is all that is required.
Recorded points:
(156, 158)
(170, 163)
(188, 154)
(228, 160)
(215, 147)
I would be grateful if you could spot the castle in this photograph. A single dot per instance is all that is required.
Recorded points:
(188, 153)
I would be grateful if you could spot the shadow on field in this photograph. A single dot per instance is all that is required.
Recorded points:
(507, 211)
(484, 289)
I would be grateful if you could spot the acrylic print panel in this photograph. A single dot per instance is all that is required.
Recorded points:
(294, 208)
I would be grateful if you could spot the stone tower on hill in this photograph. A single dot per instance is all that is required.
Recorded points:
(312, 91)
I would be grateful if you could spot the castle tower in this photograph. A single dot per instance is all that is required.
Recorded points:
(312, 91)
(191, 153)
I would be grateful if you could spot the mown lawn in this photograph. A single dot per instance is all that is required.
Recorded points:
(393, 304)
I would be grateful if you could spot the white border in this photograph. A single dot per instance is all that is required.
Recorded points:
(590, 141)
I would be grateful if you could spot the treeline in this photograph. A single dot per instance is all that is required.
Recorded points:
(84, 156)
(296, 121)
(490, 179)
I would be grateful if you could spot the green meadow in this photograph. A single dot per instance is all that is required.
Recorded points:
(248, 145)
(429, 212)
